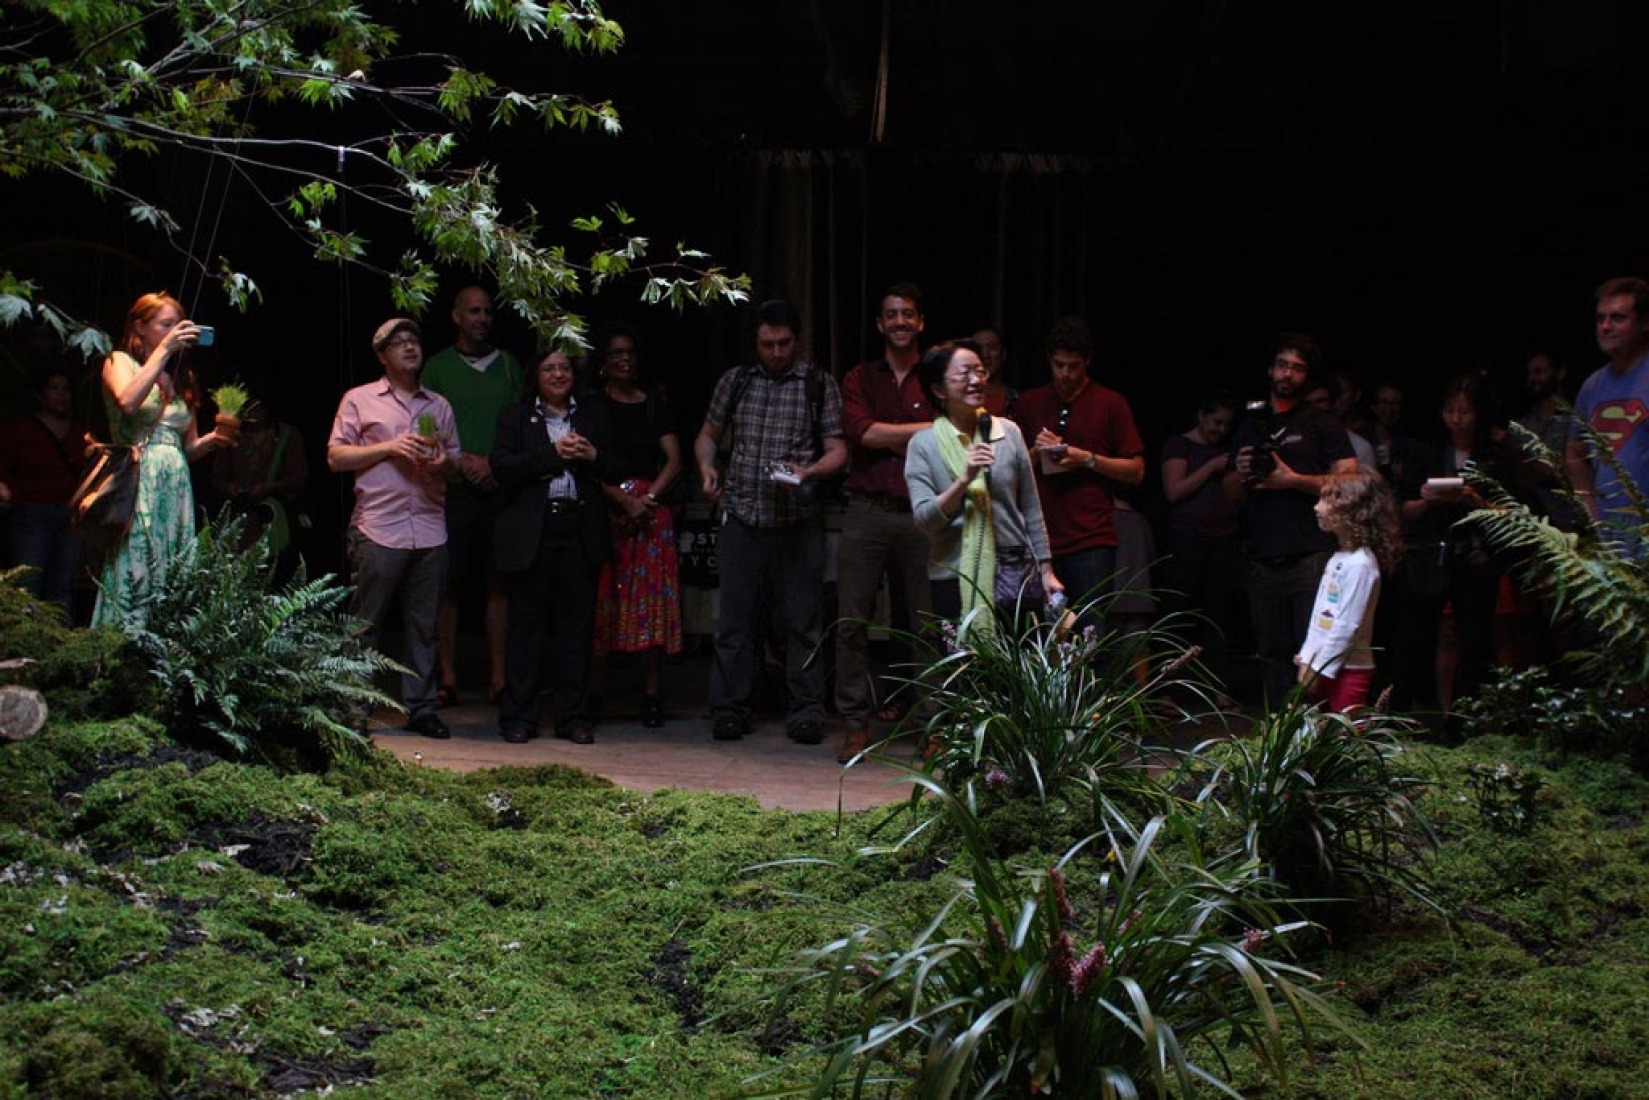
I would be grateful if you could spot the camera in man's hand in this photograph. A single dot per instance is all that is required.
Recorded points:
(1262, 461)
(1262, 456)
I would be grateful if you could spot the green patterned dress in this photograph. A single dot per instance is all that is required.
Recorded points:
(163, 523)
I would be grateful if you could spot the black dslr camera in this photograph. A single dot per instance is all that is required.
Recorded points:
(1262, 456)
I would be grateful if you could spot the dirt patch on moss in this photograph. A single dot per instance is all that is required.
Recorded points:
(268, 845)
(79, 782)
(288, 1075)
(672, 976)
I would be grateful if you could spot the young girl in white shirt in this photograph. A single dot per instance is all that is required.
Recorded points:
(1336, 662)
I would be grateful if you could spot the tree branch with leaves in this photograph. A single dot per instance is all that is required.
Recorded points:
(85, 86)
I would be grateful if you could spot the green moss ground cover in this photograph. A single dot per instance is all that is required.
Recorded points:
(175, 925)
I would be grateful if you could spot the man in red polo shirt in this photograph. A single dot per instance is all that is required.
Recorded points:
(1083, 438)
(883, 405)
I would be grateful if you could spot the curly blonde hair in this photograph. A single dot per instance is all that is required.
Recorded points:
(1363, 502)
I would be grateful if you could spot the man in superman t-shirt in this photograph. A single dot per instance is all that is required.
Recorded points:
(1615, 402)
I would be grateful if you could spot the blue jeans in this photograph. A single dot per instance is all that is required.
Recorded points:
(1206, 574)
(788, 563)
(1088, 575)
(39, 536)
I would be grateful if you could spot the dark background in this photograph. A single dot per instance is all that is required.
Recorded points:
(1426, 187)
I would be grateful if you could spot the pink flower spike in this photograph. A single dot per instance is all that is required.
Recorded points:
(1087, 969)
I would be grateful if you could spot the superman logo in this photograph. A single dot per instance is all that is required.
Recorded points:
(1617, 420)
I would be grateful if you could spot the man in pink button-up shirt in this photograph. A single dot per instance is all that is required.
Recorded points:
(398, 533)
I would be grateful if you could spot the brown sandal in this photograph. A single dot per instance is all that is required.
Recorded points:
(892, 711)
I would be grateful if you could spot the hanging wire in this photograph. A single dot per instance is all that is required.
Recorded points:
(878, 122)
(217, 221)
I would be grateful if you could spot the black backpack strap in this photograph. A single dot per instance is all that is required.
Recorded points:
(741, 382)
(815, 401)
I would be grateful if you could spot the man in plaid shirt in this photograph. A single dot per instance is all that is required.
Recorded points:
(772, 537)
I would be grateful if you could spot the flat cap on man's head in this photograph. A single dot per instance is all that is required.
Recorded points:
(390, 327)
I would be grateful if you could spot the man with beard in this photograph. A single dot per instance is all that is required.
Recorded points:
(1083, 438)
(480, 381)
(883, 405)
(1543, 379)
(785, 418)
(1283, 451)
(1615, 402)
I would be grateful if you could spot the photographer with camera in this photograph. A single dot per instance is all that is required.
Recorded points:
(1282, 451)
(785, 420)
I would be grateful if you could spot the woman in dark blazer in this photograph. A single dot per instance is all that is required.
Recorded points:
(550, 540)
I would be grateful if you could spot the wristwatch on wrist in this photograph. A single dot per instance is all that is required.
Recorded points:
(1091, 461)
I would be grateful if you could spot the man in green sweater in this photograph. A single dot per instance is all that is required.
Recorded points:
(479, 381)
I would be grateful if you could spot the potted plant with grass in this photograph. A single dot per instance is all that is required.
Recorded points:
(231, 400)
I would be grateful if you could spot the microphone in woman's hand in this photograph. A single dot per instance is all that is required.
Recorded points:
(985, 435)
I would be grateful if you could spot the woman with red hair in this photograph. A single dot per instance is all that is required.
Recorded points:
(151, 394)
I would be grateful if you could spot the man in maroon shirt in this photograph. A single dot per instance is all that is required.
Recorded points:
(883, 405)
(1083, 438)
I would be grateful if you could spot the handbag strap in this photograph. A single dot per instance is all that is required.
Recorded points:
(137, 448)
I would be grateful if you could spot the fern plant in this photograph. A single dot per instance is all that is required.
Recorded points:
(257, 668)
(1591, 578)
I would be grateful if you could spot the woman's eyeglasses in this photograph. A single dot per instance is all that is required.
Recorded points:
(967, 373)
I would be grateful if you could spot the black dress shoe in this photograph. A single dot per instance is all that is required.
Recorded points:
(652, 712)
(578, 735)
(515, 735)
(429, 724)
(807, 732)
(729, 729)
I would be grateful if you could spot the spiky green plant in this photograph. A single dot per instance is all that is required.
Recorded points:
(1114, 973)
(1325, 801)
(257, 668)
(231, 398)
(1059, 718)
(428, 427)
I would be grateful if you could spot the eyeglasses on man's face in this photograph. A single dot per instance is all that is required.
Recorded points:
(405, 340)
